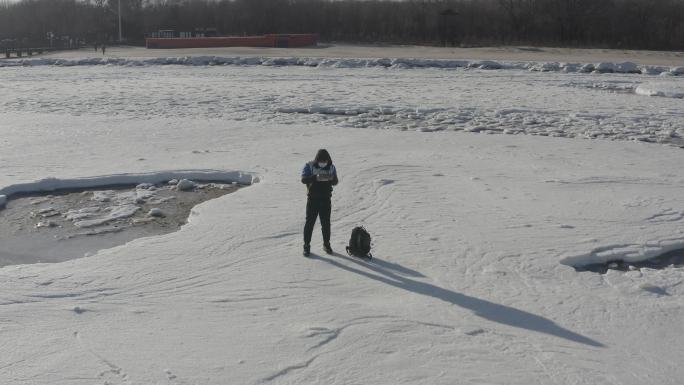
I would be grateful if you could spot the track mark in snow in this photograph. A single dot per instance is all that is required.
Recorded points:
(88, 294)
(612, 180)
(551, 374)
(667, 215)
(173, 378)
(247, 299)
(283, 235)
(385, 182)
(288, 369)
(474, 332)
(330, 335)
(114, 370)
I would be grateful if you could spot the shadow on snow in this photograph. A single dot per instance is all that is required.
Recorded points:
(488, 310)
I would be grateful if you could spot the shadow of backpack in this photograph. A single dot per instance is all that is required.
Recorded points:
(359, 243)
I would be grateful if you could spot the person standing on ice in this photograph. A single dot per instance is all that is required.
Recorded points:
(319, 176)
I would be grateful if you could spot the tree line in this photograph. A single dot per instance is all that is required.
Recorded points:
(635, 24)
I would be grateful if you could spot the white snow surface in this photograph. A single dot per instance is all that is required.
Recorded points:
(472, 233)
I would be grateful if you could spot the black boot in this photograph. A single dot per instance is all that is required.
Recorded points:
(307, 250)
(327, 248)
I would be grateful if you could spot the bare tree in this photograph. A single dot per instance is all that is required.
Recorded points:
(645, 24)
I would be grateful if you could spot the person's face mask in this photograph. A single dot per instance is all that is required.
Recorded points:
(322, 164)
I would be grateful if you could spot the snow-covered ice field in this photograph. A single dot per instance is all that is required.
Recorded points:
(615, 106)
(474, 234)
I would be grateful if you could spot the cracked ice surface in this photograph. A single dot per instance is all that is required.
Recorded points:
(577, 105)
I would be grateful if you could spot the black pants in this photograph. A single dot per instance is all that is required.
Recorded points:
(315, 208)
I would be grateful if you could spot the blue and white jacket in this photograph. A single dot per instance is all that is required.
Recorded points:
(319, 180)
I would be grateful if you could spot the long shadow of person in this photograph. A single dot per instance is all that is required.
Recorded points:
(388, 273)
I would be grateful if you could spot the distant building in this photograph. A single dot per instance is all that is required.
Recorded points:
(205, 38)
(197, 32)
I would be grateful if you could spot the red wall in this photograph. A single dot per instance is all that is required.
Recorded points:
(296, 40)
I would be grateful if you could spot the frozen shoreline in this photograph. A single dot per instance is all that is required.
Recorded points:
(392, 63)
(510, 53)
(53, 184)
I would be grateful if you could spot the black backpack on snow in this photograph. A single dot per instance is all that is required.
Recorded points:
(359, 243)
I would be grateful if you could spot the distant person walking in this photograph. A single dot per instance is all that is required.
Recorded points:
(103, 49)
(96, 46)
(319, 176)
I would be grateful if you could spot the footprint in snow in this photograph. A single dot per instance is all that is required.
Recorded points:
(169, 375)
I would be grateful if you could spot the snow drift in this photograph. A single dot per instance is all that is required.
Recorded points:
(635, 252)
(667, 90)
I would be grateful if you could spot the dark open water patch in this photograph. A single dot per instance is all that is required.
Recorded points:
(73, 223)
(672, 259)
